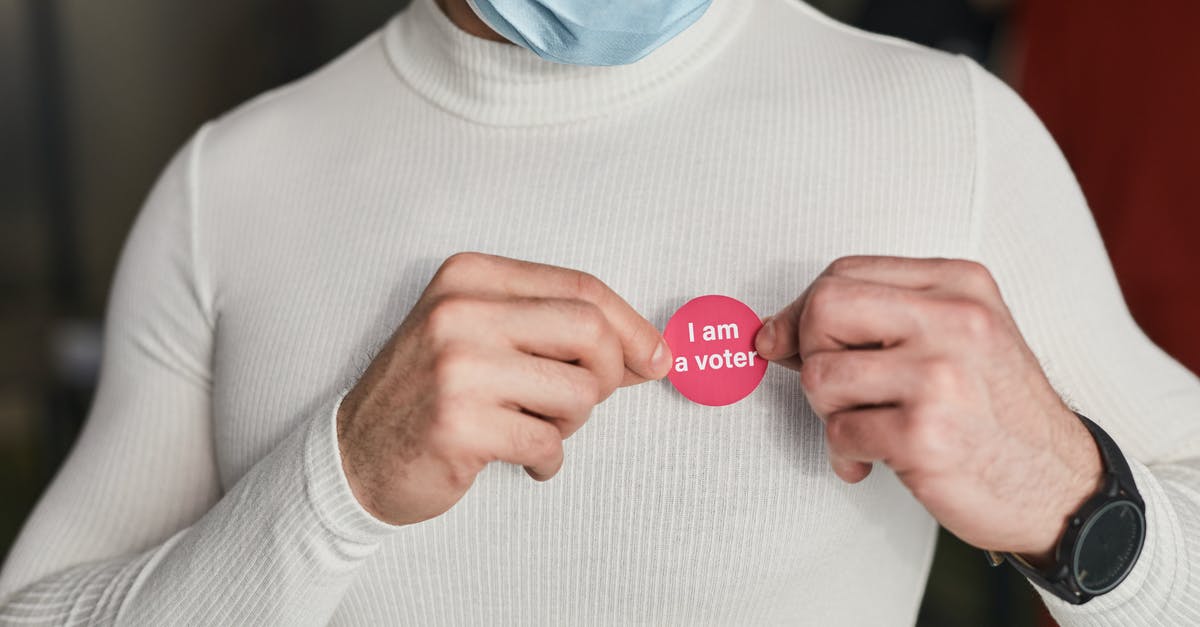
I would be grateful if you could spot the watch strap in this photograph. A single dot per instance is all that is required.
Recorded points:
(1114, 460)
(1118, 483)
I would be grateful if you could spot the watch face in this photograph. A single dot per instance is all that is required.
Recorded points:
(1108, 545)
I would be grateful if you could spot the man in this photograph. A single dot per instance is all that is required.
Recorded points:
(244, 464)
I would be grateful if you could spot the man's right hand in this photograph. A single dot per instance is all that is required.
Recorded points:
(499, 360)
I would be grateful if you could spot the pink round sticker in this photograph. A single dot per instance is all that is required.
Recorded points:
(712, 342)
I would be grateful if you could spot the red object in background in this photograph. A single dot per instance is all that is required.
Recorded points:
(1118, 86)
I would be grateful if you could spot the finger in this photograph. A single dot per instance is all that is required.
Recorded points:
(837, 313)
(847, 313)
(565, 330)
(559, 392)
(835, 381)
(956, 275)
(645, 352)
(631, 378)
(777, 340)
(524, 440)
(849, 470)
(863, 436)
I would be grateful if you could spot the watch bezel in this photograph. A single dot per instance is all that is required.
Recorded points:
(1079, 540)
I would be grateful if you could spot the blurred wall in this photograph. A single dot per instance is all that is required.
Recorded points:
(23, 302)
(141, 75)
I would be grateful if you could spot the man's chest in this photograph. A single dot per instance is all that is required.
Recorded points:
(651, 469)
(299, 323)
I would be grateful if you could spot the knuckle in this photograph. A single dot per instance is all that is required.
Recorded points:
(927, 435)
(460, 475)
(455, 440)
(589, 392)
(940, 376)
(974, 318)
(581, 387)
(836, 432)
(822, 299)
(814, 372)
(819, 406)
(453, 365)
(449, 425)
(450, 435)
(459, 265)
(574, 426)
(847, 264)
(606, 381)
(589, 321)
(536, 441)
(447, 315)
(974, 273)
(587, 286)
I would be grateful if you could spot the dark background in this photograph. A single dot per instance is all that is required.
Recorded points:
(96, 95)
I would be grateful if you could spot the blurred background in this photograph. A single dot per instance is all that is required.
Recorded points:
(95, 96)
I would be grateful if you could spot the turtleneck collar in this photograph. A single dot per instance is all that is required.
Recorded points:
(506, 85)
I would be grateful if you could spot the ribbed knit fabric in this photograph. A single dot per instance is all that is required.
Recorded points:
(284, 244)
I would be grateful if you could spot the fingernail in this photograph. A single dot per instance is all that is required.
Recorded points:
(659, 359)
(766, 336)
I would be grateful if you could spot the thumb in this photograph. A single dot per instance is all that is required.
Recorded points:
(657, 367)
(778, 339)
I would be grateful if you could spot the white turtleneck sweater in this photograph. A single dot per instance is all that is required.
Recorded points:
(288, 239)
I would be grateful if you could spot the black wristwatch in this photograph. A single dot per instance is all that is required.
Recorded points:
(1104, 536)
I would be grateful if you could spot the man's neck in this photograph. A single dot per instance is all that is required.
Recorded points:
(465, 18)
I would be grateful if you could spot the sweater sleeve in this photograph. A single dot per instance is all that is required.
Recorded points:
(135, 528)
(1034, 231)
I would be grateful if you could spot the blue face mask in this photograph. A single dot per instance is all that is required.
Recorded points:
(590, 32)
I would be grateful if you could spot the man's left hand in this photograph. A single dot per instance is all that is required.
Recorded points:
(917, 363)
